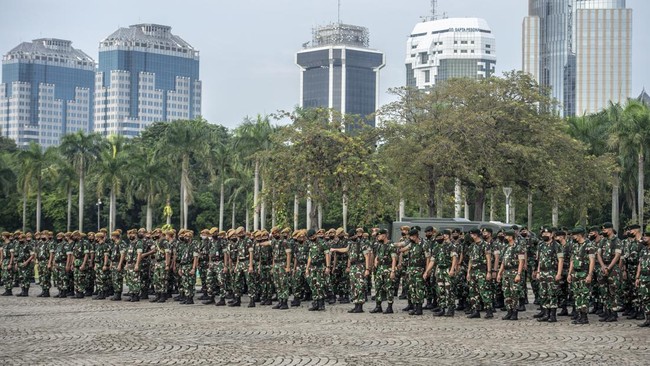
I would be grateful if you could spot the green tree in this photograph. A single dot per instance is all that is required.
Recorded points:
(111, 172)
(32, 163)
(147, 179)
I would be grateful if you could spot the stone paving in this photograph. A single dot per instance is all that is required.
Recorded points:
(37, 331)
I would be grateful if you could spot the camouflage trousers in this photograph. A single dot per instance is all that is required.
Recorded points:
(145, 276)
(102, 278)
(383, 284)
(203, 272)
(253, 282)
(630, 291)
(548, 290)
(446, 294)
(188, 281)
(8, 275)
(215, 279)
(358, 283)
(460, 283)
(563, 292)
(239, 276)
(173, 279)
(299, 282)
(317, 282)
(90, 277)
(480, 290)
(281, 281)
(430, 287)
(644, 294)
(581, 291)
(80, 279)
(25, 275)
(44, 276)
(340, 280)
(609, 286)
(534, 283)
(60, 277)
(117, 279)
(132, 279)
(598, 287)
(415, 285)
(265, 281)
(160, 275)
(512, 291)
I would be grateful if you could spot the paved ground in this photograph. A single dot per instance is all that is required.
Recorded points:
(35, 331)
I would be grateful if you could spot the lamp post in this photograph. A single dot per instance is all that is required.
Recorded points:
(99, 207)
(507, 191)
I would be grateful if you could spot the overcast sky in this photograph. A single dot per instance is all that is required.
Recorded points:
(248, 46)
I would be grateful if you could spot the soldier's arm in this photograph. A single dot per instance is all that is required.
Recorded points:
(637, 277)
(599, 257)
(121, 261)
(560, 265)
(167, 259)
(195, 262)
(138, 259)
(428, 268)
(592, 265)
(50, 260)
(616, 260)
(288, 264)
(308, 264)
(328, 259)
(488, 257)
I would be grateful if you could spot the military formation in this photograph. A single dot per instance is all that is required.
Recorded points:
(572, 273)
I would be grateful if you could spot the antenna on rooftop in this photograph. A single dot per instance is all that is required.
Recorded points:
(434, 9)
(339, 13)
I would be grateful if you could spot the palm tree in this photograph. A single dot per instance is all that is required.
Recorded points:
(147, 180)
(33, 162)
(66, 178)
(632, 137)
(111, 173)
(222, 156)
(186, 140)
(240, 188)
(253, 138)
(81, 149)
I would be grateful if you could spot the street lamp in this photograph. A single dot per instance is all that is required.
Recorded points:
(507, 191)
(99, 207)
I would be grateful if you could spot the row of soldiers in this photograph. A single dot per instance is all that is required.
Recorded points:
(477, 271)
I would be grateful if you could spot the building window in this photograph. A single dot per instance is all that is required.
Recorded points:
(427, 76)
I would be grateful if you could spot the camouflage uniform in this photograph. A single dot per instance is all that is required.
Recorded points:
(610, 283)
(102, 277)
(340, 277)
(581, 256)
(386, 252)
(317, 253)
(204, 254)
(265, 276)
(132, 277)
(430, 282)
(8, 266)
(443, 256)
(146, 273)
(241, 264)
(60, 258)
(631, 261)
(479, 286)
(460, 281)
(644, 283)
(43, 250)
(281, 251)
(187, 251)
(215, 277)
(357, 250)
(118, 248)
(512, 290)
(23, 251)
(563, 285)
(548, 256)
(79, 251)
(300, 284)
(160, 268)
(414, 273)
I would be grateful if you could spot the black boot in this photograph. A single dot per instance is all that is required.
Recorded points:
(489, 314)
(545, 317)
(221, 302)
(409, 307)
(189, 301)
(23, 293)
(389, 308)
(209, 301)
(251, 303)
(647, 321)
(204, 296)
(377, 309)
(639, 315)
(552, 318)
(7, 293)
(314, 306)
(332, 300)
(354, 310)
(474, 315)
(283, 305)
(321, 305)
(450, 312)
(417, 310)
(163, 297)
(135, 298)
(345, 300)
(46, 293)
(595, 309)
(236, 302)
(522, 305)
(461, 305)
(101, 295)
(428, 306)
(541, 314)
(633, 314)
(61, 295)
(117, 296)
(295, 302)
(563, 312)
(613, 317)
(440, 312)
(79, 295)
(515, 315)
(604, 315)
(278, 305)
(41, 294)
(508, 315)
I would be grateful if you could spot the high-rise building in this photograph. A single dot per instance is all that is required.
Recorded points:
(340, 71)
(46, 92)
(145, 74)
(581, 50)
(439, 50)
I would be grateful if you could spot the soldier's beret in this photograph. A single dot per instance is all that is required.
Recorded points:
(594, 229)
(286, 230)
(428, 229)
(475, 231)
(222, 233)
(510, 233)
(634, 227)
(352, 233)
(414, 231)
(457, 230)
(514, 227)
(311, 233)
(577, 230)
(446, 232)
(402, 228)
(360, 230)
(383, 232)
(417, 228)
(608, 225)
(560, 233)
(213, 230)
(339, 231)
(59, 236)
(546, 230)
(488, 229)
(320, 231)
(142, 230)
(115, 233)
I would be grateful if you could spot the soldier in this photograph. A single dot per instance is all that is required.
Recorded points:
(204, 249)
(479, 275)
(162, 265)
(460, 285)
(102, 273)
(583, 261)
(563, 288)
(642, 279)
(416, 262)
(90, 243)
(358, 266)
(80, 258)
(117, 256)
(45, 258)
(340, 276)
(189, 261)
(8, 263)
(401, 268)
(300, 284)
(241, 263)
(173, 279)
(444, 261)
(596, 297)
(550, 261)
(608, 256)
(132, 265)
(148, 250)
(318, 266)
(59, 269)
(216, 268)
(386, 265)
(630, 263)
(510, 274)
(282, 259)
(429, 283)
(265, 267)
(24, 266)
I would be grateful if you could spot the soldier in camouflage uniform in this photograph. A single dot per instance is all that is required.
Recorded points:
(550, 261)
(444, 261)
(300, 283)
(583, 261)
(609, 256)
(340, 276)
(631, 251)
(416, 259)
(8, 263)
(45, 259)
(102, 273)
(79, 255)
(510, 273)
(498, 245)
(385, 267)
(162, 265)
(117, 257)
(146, 273)
(597, 294)
(400, 274)
(24, 255)
(642, 279)
(460, 285)
(282, 259)
(241, 263)
(317, 268)
(264, 263)
(531, 243)
(358, 266)
(204, 249)
(249, 247)
(188, 251)
(132, 265)
(429, 282)
(60, 276)
(479, 275)
(216, 268)
(563, 286)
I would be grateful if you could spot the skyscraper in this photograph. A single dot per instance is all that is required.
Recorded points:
(340, 71)
(146, 74)
(439, 50)
(581, 50)
(46, 92)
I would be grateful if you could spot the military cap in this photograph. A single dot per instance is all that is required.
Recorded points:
(560, 233)
(510, 233)
(546, 230)
(340, 231)
(577, 230)
(608, 225)
(4, 233)
(91, 233)
(446, 232)
(311, 233)
(457, 230)
(142, 230)
(100, 235)
(119, 231)
(475, 231)
(352, 232)
(189, 233)
(275, 230)
(257, 234)
(60, 235)
(414, 231)
(594, 229)
(515, 227)
(402, 228)
(382, 232)
(416, 227)
(428, 228)
(104, 230)
(320, 231)
(76, 232)
(488, 229)
(213, 230)
(240, 230)
(360, 230)
(205, 231)
(634, 227)
(286, 230)
(115, 233)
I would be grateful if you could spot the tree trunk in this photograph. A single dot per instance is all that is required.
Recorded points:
(439, 203)
(641, 190)
(308, 210)
(256, 189)
(466, 209)
(320, 215)
(296, 213)
(247, 219)
(182, 194)
(530, 209)
(81, 200)
(221, 202)
(492, 204)
(149, 213)
(457, 198)
(111, 211)
(185, 197)
(38, 205)
(273, 214)
(262, 210)
(69, 209)
(25, 210)
(479, 204)
(555, 214)
(615, 203)
(633, 206)
(232, 226)
(402, 208)
(345, 211)
(431, 199)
